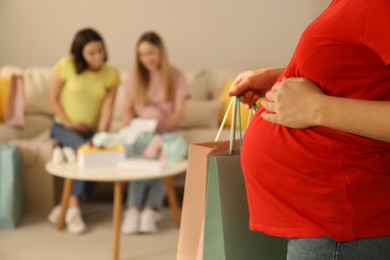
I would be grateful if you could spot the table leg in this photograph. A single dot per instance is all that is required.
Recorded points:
(118, 191)
(64, 202)
(172, 199)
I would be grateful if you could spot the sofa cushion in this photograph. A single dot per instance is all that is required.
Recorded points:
(34, 125)
(201, 113)
(37, 83)
(7, 71)
(198, 82)
(218, 80)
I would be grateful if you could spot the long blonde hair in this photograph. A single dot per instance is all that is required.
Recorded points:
(142, 75)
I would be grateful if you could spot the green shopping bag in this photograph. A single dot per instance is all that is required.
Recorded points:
(10, 186)
(226, 227)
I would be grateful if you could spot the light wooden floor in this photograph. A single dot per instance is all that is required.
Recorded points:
(37, 239)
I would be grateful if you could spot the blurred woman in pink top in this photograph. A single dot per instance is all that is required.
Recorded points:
(154, 90)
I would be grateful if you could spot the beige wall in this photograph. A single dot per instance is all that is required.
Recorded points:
(209, 34)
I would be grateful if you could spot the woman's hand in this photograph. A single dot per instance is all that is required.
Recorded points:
(126, 120)
(252, 85)
(127, 114)
(169, 123)
(292, 103)
(166, 125)
(107, 109)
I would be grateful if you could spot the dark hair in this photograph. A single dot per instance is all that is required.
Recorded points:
(82, 38)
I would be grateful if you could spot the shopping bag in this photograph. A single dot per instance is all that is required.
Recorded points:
(15, 109)
(190, 245)
(5, 84)
(215, 221)
(226, 230)
(10, 186)
(40, 189)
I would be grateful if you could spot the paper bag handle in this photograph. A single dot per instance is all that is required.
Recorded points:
(235, 102)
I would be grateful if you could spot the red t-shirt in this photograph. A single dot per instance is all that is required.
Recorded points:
(320, 181)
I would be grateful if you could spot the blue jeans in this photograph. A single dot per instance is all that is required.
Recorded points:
(154, 198)
(70, 138)
(136, 189)
(325, 248)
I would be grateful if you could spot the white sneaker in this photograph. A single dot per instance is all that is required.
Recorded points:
(70, 154)
(130, 221)
(57, 157)
(148, 221)
(54, 214)
(74, 221)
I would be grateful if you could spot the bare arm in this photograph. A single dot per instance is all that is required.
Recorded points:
(107, 110)
(253, 84)
(54, 100)
(299, 103)
(366, 118)
(127, 112)
(169, 124)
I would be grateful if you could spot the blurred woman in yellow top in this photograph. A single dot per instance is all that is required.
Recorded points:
(82, 99)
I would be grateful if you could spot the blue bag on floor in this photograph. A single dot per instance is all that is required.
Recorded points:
(10, 186)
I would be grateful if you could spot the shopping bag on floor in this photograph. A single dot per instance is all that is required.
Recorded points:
(10, 186)
(215, 219)
(40, 189)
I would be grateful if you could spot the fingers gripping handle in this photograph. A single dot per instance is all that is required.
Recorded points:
(235, 103)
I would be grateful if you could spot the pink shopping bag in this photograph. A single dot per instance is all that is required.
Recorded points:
(15, 110)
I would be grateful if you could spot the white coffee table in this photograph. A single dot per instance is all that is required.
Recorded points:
(70, 172)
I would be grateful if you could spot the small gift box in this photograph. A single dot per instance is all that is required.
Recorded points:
(92, 156)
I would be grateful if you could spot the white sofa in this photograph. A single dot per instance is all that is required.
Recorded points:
(200, 123)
